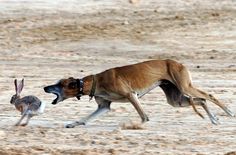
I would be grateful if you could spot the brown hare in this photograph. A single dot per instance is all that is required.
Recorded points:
(28, 106)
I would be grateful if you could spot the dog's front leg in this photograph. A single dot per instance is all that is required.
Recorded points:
(103, 107)
(133, 98)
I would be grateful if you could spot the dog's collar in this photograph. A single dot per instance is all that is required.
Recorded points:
(92, 91)
(80, 83)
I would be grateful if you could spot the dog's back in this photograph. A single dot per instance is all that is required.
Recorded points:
(140, 76)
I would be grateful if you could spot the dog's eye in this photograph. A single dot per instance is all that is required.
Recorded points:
(72, 85)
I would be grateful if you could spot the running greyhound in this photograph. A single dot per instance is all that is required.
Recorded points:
(129, 83)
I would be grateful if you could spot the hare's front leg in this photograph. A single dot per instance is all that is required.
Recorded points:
(22, 117)
(29, 116)
(23, 113)
(27, 121)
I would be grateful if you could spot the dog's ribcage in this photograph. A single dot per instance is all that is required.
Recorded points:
(144, 91)
(111, 96)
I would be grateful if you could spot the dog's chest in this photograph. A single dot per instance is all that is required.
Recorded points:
(111, 96)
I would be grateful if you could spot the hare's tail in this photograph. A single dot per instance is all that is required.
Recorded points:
(41, 108)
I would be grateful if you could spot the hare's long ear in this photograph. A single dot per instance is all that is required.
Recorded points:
(20, 86)
(15, 82)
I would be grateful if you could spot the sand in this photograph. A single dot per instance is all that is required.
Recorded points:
(44, 41)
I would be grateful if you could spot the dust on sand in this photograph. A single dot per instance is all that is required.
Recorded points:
(44, 41)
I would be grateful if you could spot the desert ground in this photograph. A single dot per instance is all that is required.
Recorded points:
(43, 41)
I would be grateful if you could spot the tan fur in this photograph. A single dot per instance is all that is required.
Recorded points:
(132, 78)
(128, 83)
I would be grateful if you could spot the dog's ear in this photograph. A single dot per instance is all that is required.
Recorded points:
(72, 85)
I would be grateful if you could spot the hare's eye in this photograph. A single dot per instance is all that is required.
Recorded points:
(72, 85)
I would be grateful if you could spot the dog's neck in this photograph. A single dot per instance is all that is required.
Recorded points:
(89, 85)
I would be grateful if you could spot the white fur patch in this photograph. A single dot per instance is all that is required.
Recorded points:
(41, 108)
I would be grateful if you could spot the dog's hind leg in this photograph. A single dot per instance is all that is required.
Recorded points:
(181, 77)
(177, 99)
(103, 107)
(173, 95)
(184, 83)
(212, 117)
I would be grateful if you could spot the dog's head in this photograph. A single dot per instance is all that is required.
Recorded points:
(65, 88)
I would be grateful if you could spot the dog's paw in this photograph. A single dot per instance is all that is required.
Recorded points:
(72, 125)
(24, 124)
(229, 112)
(232, 114)
(145, 119)
(81, 123)
(215, 121)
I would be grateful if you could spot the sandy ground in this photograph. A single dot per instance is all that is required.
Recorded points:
(44, 41)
